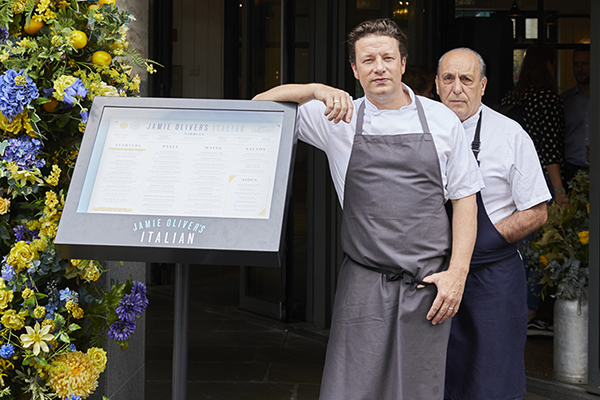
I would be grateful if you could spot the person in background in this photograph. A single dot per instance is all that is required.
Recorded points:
(542, 117)
(394, 163)
(420, 79)
(487, 341)
(542, 112)
(577, 116)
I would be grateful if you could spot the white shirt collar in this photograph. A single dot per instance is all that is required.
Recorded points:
(372, 108)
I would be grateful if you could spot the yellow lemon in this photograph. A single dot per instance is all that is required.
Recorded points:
(33, 27)
(101, 57)
(79, 39)
(100, 2)
(51, 106)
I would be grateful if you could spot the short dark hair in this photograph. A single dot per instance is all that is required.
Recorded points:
(381, 27)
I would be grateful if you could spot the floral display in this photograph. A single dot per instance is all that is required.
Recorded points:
(560, 253)
(55, 314)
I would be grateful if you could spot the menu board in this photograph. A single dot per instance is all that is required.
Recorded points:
(186, 163)
(181, 180)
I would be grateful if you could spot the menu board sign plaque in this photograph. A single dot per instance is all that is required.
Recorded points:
(181, 180)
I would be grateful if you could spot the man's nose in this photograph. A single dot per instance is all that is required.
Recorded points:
(457, 87)
(379, 65)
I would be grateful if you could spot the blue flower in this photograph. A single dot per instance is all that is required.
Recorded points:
(72, 347)
(66, 295)
(84, 116)
(73, 397)
(130, 306)
(76, 89)
(121, 330)
(8, 273)
(23, 151)
(17, 90)
(22, 233)
(3, 34)
(140, 288)
(7, 351)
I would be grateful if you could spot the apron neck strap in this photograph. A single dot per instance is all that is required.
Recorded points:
(476, 143)
(361, 115)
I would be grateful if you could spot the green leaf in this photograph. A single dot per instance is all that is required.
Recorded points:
(4, 235)
(73, 327)
(59, 321)
(64, 337)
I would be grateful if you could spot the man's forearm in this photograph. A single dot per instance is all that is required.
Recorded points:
(522, 223)
(292, 92)
(338, 104)
(464, 232)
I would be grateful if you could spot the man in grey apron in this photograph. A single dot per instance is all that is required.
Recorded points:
(487, 340)
(392, 164)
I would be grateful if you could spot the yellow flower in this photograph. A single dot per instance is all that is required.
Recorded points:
(60, 84)
(39, 312)
(4, 205)
(54, 176)
(77, 312)
(73, 373)
(21, 256)
(27, 293)
(544, 260)
(24, 176)
(50, 323)
(56, 41)
(92, 274)
(21, 80)
(12, 167)
(37, 338)
(12, 320)
(38, 245)
(6, 295)
(584, 237)
(19, 123)
(98, 357)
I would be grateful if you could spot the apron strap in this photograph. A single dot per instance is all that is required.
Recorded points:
(360, 117)
(476, 143)
(422, 117)
(404, 275)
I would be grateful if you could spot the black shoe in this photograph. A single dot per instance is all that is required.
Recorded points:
(537, 327)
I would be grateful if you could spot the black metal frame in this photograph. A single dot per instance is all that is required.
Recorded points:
(593, 385)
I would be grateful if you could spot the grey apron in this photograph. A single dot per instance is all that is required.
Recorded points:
(394, 228)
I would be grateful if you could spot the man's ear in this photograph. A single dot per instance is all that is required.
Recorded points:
(353, 65)
(483, 85)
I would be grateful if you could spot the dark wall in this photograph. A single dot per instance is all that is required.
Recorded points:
(492, 39)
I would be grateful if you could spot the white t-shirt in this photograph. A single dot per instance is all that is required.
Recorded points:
(460, 174)
(510, 166)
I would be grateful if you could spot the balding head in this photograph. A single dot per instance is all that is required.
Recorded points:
(461, 81)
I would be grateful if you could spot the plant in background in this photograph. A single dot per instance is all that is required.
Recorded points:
(55, 57)
(560, 252)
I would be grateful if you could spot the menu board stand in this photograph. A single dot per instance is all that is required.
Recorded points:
(180, 332)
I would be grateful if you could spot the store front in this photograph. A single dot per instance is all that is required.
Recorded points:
(236, 49)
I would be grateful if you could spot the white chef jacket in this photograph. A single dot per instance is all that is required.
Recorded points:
(510, 166)
(460, 174)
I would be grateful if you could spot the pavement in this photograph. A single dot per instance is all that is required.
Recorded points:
(237, 355)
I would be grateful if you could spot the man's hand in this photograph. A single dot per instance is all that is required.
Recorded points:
(339, 106)
(451, 283)
(450, 287)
